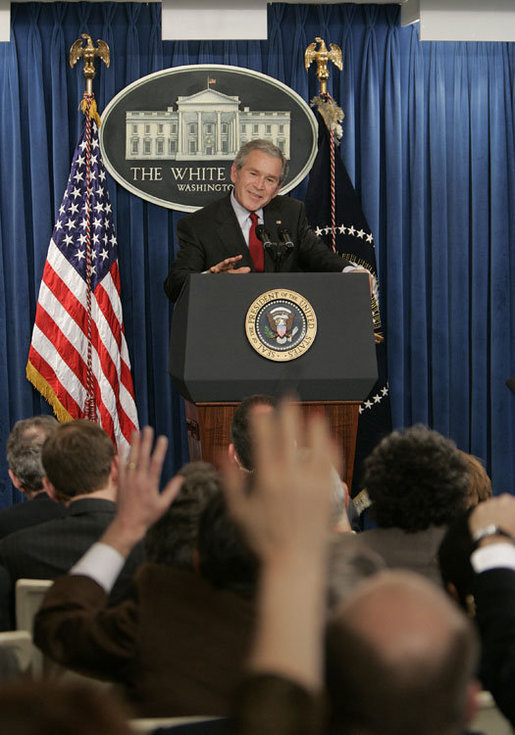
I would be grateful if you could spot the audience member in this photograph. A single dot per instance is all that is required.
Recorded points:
(480, 485)
(26, 472)
(81, 474)
(241, 447)
(413, 654)
(484, 573)
(173, 539)
(178, 642)
(418, 483)
(241, 452)
(55, 708)
(401, 656)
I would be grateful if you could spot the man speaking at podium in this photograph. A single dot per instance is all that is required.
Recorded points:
(251, 229)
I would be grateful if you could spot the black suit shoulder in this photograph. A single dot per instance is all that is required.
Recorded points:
(29, 513)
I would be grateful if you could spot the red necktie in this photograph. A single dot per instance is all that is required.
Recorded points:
(256, 246)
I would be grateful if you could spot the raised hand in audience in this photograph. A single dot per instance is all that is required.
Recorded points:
(139, 503)
(285, 518)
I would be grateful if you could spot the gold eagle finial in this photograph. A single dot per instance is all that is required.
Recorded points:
(322, 57)
(89, 51)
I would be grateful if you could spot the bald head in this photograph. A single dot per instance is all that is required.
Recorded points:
(400, 659)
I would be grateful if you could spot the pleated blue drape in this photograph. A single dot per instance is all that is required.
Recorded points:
(428, 141)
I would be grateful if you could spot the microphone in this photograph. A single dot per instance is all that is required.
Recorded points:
(284, 235)
(264, 236)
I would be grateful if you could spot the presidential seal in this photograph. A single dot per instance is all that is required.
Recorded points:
(281, 325)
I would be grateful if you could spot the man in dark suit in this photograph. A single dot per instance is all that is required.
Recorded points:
(81, 474)
(178, 642)
(26, 472)
(221, 237)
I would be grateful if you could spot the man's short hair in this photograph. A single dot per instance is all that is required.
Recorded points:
(174, 538)
(416, 478)
(241, 429)
(266, 146)
(400, 681)
(24, 450)
(77, 458)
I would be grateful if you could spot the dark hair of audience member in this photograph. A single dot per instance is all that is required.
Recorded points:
(77, 458)
(415, 479)
(480, 485)
(241, 428)
(224, 558)
(454, 559)
(47, 707)
(174, 538)
(23, 450)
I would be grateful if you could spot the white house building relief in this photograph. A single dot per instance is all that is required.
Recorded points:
(207, 124)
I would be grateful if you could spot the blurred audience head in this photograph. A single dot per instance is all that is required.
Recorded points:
(24, 452)
(401, 659)
(224, 558)
(240, 449)
(174, 538)
(78, 459)
(416, 478)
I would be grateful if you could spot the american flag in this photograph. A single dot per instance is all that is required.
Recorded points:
(78, 357)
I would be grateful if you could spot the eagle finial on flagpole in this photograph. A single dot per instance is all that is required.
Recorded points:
(322, 57)
(89, 51)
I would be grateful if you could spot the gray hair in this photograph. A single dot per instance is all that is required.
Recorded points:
(24, 450)
(266, 146)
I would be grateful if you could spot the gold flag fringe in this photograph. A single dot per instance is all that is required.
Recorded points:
(41, 385)
(93, 112)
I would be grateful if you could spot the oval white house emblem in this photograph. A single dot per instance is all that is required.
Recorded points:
(170, 137)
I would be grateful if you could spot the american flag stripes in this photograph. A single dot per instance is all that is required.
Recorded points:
(78, 357)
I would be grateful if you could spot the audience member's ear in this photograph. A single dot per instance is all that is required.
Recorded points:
(15, 481)
(233, 456)
(114, 470)
(50, 490)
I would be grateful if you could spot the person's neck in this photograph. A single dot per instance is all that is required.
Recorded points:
(106, 493)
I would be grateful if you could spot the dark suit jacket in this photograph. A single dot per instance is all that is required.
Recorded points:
(50, 549)
(29, 513)
(177, 644)
(494, 595)
(401, 550)
(212, 234)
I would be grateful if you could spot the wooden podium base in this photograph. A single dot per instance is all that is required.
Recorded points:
(209, 429)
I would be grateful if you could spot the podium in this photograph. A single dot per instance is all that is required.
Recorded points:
(214, 364)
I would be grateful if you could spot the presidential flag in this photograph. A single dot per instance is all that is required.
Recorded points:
(78, 358)
(334, 211)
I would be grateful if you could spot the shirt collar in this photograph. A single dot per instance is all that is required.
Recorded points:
(242, 214)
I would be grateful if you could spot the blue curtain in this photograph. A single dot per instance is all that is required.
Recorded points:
(428, 141)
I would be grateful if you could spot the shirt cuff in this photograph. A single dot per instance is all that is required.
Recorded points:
(101, 563)
(493, 556)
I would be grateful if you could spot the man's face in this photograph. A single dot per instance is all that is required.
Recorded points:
(257, 182)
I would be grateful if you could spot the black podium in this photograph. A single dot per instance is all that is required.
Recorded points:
(215, 366)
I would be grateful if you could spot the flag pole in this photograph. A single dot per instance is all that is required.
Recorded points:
(89, 108)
